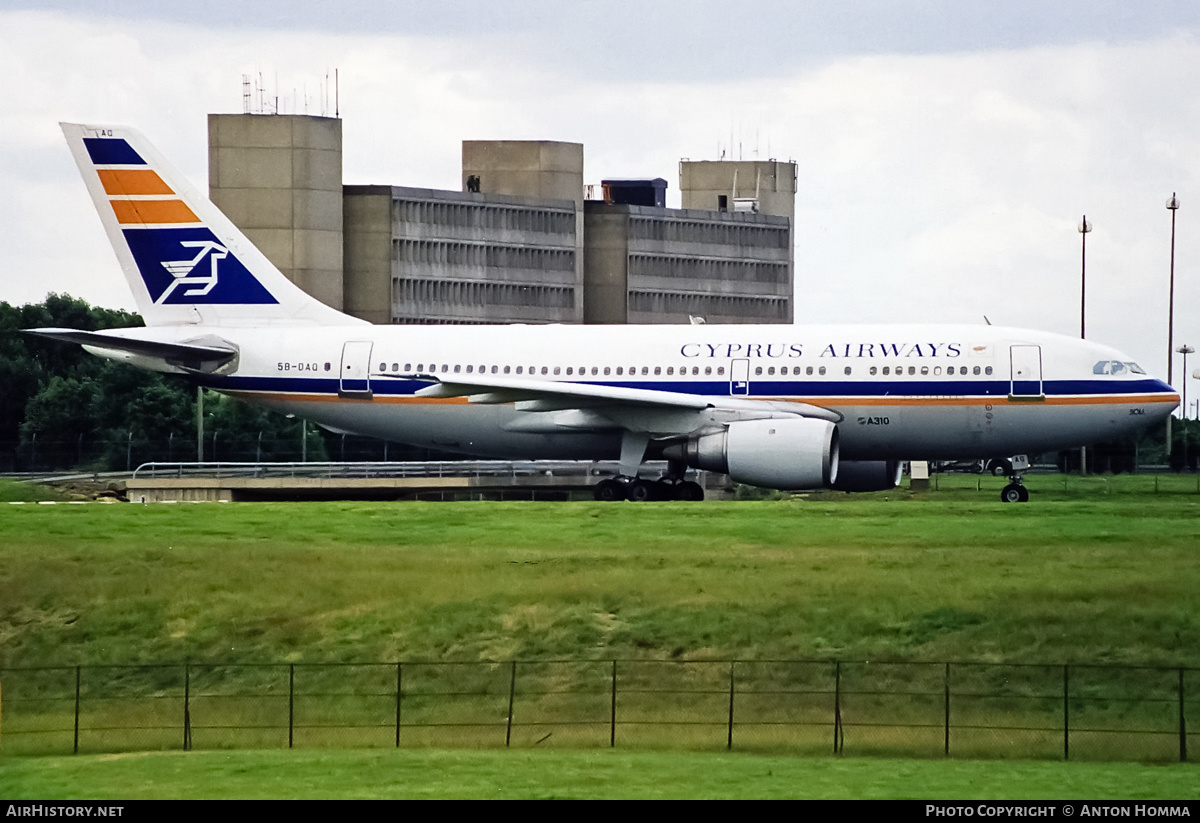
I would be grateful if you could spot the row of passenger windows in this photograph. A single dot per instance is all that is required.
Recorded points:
(876, 370)
(569, 371)
(669, 371)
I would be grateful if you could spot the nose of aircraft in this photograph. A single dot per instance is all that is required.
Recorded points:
(1170, 398)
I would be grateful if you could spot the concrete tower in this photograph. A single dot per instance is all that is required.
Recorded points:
(279, 179)
(763, 186)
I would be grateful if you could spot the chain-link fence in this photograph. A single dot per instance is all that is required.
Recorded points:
(844, 707)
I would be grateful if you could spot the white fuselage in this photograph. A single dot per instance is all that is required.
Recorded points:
(898, 391)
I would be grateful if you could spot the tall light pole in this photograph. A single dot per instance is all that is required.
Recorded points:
(1084, 228)
(1173, 205)
(1185, 350)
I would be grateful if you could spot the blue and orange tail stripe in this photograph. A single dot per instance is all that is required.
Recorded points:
(137, 195)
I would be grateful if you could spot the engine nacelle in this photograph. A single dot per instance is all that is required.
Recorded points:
(785, 453)
(868, 475)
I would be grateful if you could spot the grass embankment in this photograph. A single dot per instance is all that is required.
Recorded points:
(1071, 577)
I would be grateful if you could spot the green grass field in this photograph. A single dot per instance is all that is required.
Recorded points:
(528, 774)
(1075, 576)
(1092, 570)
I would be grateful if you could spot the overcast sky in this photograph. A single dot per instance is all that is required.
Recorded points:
(947, 150)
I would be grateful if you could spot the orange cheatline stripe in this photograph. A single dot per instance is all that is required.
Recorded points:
(132, 181)
(153, 211)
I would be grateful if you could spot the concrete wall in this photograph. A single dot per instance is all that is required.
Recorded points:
(701, 182)
(605, 264)
(538, 169)
(279, 179)
(368, 253)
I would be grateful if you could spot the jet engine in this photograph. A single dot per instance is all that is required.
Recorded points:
(778, 453)
(868, 475)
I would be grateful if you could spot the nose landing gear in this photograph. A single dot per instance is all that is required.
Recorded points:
(1015, 491)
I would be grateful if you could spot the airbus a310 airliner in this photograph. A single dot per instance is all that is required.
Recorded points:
(783, 407)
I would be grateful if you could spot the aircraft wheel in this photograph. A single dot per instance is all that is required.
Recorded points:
(1012, 493)
(640, 491)
(1000, 469)
(609, 490)
(689, 490)
(1024, 494)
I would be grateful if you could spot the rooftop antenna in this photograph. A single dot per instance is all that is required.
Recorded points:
(245, 94)
(336, 89)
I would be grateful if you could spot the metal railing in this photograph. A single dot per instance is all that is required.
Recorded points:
(369, 469)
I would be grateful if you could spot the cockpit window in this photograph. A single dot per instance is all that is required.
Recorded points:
(1116, 367)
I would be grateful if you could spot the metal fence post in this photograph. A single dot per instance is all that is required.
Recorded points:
(291, 703)
(612, 723)
(729, 742)
(187, 709)
(947, 685)
(76, 750)
(399, 691)
(838, 739)
(1066, 712)
(1182, 722)
(512, 688)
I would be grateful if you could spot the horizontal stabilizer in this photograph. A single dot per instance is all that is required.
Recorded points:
(193, 356)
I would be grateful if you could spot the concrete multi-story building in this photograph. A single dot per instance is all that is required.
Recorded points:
(655, 265)
(427, 256)
(518, 243)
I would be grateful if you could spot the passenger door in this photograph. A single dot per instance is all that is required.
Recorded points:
(1026, 363)
(739, 377)
(356, 369)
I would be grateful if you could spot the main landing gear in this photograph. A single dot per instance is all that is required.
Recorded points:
(640, 490)
(628, 486)
(1015, 491)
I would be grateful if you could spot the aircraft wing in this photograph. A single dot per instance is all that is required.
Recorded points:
(203, 356)
(562, 406)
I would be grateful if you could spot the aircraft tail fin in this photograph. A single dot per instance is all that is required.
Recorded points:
(185, 261)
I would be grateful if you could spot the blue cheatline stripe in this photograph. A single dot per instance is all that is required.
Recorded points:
(798, 390)
(112, 151)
